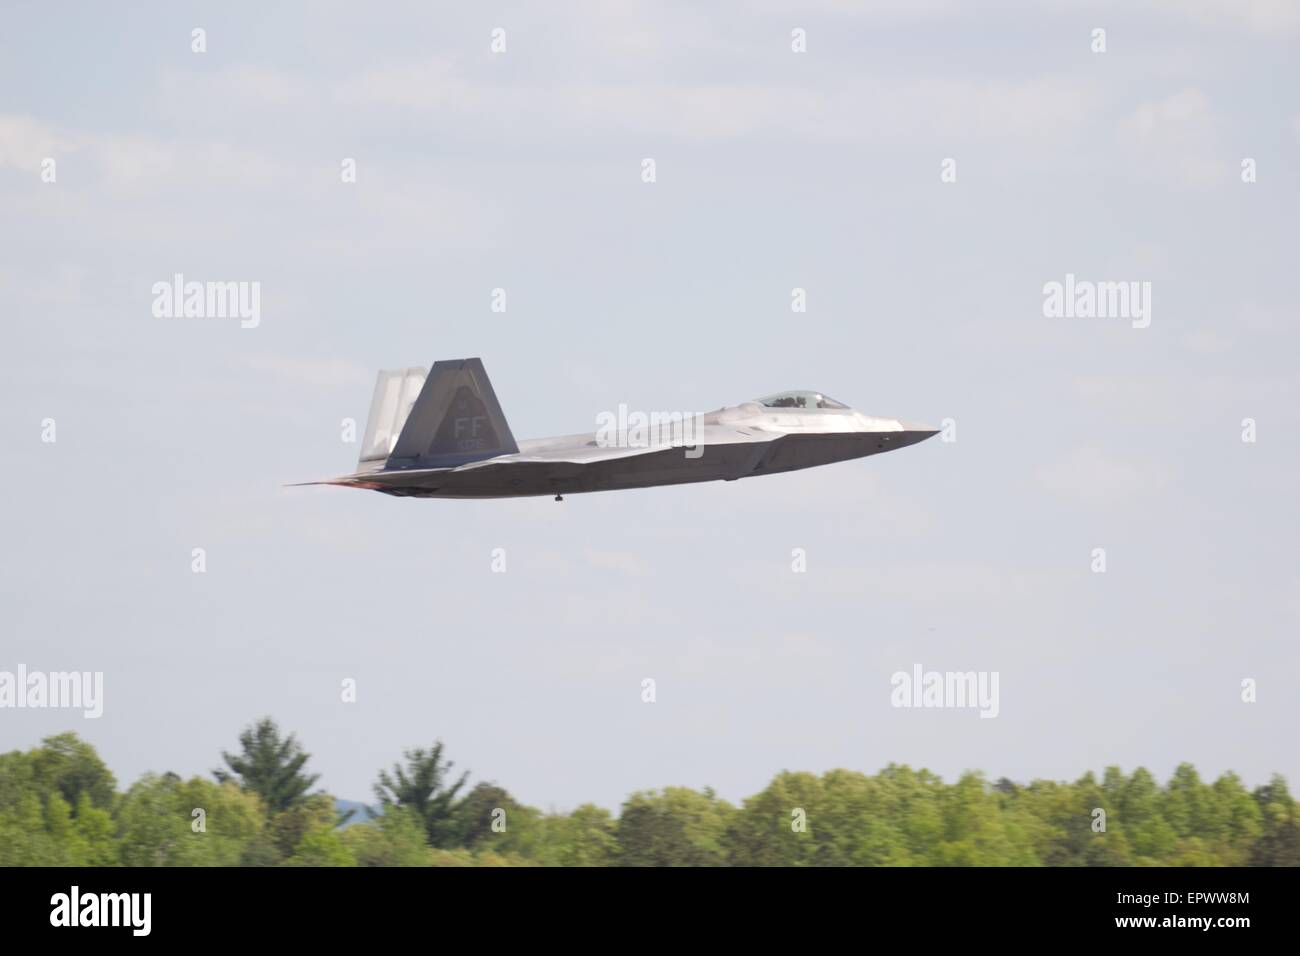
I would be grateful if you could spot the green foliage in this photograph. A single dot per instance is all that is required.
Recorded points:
(976, 830)
(321, 846)
(309, 816)
(269, 766)
(472, 817)
(94, 835)
(422, 787)
(586, 837)
(157, 823)
(675, 827)
(1279, 843)
(59, 807)
(395, 839)
(70, 765)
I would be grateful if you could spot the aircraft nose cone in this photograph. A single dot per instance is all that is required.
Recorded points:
(921, 430)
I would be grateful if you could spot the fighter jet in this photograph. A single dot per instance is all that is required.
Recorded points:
(441, 434)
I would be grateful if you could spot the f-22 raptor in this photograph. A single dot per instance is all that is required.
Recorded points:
(441, 434)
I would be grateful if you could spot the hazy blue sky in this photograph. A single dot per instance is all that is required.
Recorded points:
(775, 170)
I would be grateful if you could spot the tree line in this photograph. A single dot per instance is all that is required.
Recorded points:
(60, 806)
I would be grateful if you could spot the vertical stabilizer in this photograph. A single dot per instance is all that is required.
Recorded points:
(456, 419)
(396, 392)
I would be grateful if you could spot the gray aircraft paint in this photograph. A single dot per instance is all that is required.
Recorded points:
(443, 435)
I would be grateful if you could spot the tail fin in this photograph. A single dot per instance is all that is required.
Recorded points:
(455, 418)
(395, 395)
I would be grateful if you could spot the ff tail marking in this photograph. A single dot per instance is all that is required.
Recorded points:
(440, 420)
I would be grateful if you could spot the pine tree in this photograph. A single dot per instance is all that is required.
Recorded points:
(269, 766)
(421, 786)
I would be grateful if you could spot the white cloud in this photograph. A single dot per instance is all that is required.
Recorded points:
(456, 97)
(130, 162)
(1182, 116)
(1176, 139)
(24, 142)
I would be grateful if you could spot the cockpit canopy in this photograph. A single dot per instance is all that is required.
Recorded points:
(799, 399)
